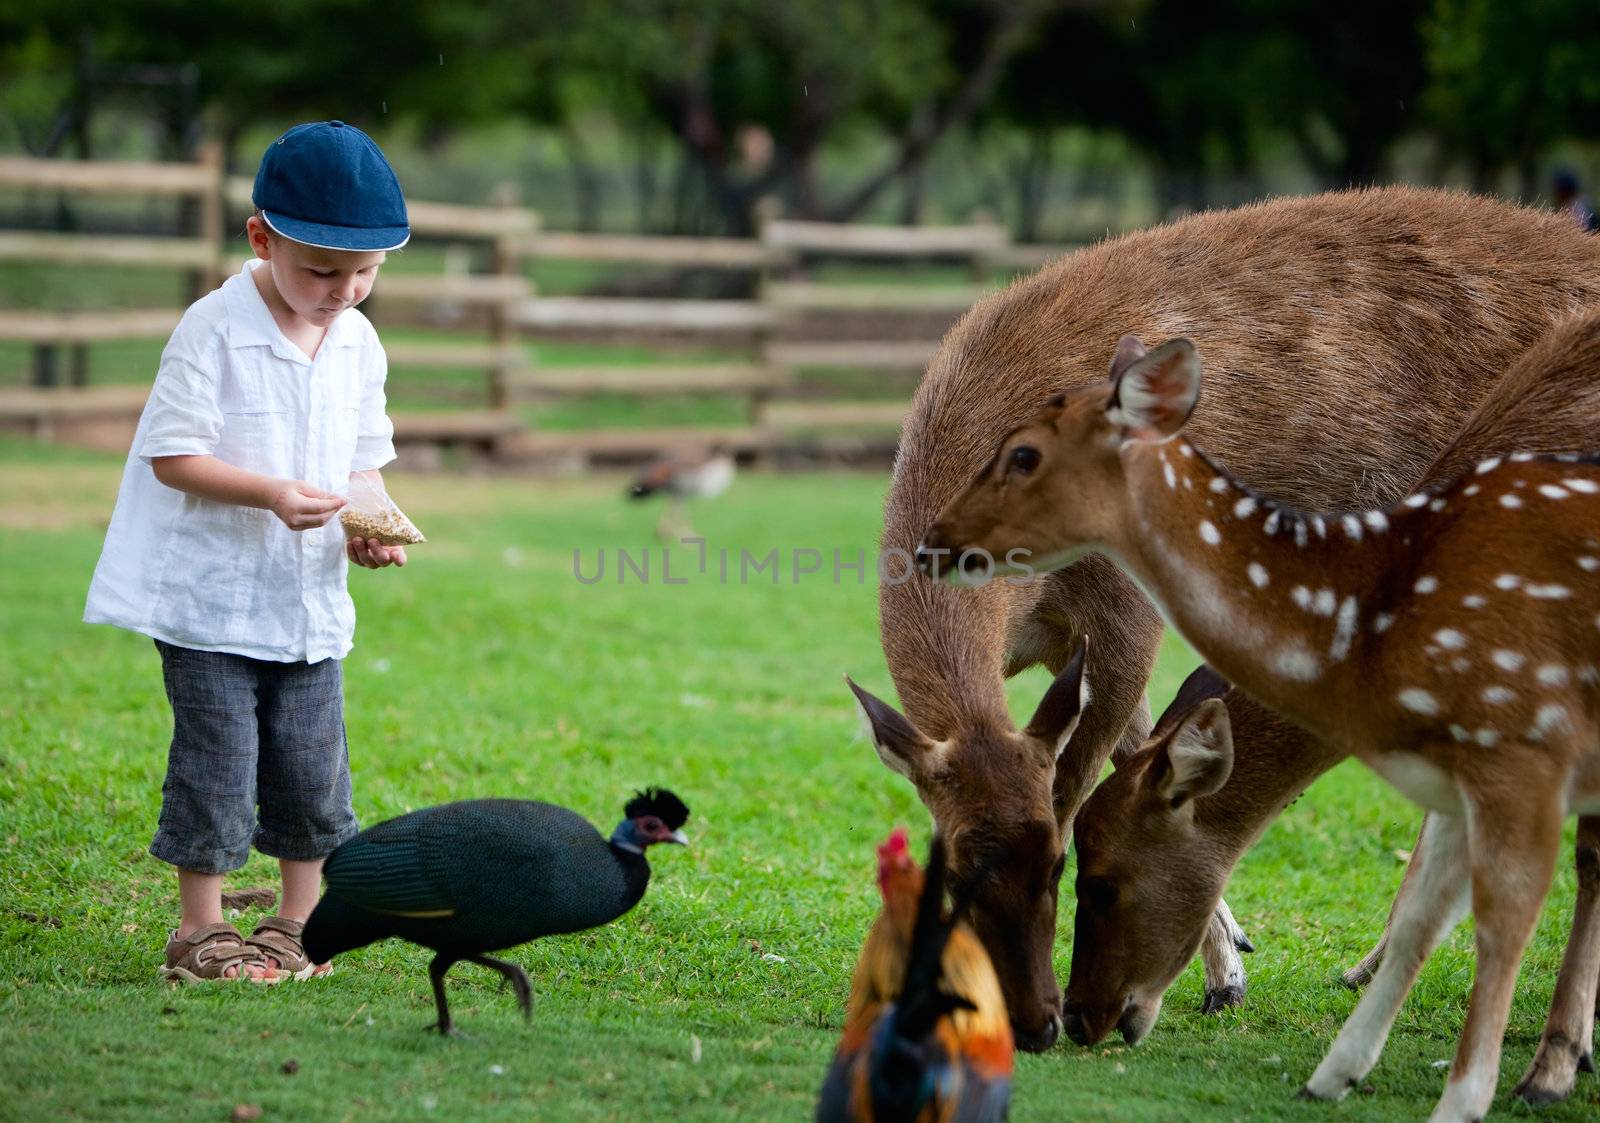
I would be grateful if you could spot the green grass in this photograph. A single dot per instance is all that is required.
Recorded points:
(484, 667)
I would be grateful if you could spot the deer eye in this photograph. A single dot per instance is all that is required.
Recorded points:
(1097, 892)
(1025, 458)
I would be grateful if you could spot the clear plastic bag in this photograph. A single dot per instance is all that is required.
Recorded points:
(370, 513)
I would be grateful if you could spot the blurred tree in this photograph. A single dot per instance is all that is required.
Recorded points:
(1360, 72)
(1506, 78)
(443, 65)
(711, 71)
(1203, 88)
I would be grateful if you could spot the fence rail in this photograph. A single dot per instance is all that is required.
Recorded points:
(786, 331)
(107, 178)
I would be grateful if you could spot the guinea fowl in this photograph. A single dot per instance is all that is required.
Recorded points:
(926, 1038)
(472, 877)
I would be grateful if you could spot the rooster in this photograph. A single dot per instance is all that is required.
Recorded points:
(926, 1036)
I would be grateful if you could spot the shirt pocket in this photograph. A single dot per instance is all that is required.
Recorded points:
(344, 425)
(258, 440)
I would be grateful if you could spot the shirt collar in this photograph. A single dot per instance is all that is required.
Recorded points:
(250, 322)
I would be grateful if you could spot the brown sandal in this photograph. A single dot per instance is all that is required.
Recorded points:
(205, 955)
(278, 938)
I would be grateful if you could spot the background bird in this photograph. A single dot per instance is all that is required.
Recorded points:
(681, 477)
(473, 877)
(926, 1036)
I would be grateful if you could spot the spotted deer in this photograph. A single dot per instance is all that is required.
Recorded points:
(1409, 305)
(1450, 642)
(1151, 873)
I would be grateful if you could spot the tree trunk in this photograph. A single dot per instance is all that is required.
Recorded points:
(587, 189)
(1033, 180)
(646, 186)
(1005, 38)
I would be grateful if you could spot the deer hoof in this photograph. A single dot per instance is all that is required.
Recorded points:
(1536, 1094)
(1222, 998)
(1357, 977)
(1550, 1078)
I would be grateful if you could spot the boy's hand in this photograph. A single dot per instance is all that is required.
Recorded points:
(300, 506)
(373, 554)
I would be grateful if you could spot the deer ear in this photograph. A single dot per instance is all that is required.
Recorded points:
(1129, 351)
(1197, 757)
(900, 745)
(1062, 706)
(1155, 394)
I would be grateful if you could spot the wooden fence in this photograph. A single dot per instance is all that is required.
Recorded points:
(766, 368)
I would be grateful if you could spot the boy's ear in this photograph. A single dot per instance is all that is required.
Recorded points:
(260, 236)
(1153, 395)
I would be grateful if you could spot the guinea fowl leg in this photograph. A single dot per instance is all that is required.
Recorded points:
(515, 975)
(441, 963)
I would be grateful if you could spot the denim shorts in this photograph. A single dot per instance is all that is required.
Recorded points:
(258, 757)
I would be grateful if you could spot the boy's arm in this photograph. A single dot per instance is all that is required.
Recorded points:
(297, 504)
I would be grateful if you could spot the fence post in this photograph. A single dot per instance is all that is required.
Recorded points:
(982, 263)
(768, 209)
(209, 220)
(506, 261)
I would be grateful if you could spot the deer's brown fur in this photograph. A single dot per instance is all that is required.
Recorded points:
(1450, 641)
(1166, 871)
(1348, 337)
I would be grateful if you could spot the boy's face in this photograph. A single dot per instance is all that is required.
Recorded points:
(316, 284)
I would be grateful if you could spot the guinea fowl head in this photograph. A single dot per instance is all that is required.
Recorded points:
(651, 816)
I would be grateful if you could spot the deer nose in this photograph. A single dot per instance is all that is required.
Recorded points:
(1037, 1041)
(929, 556)
(1072, 1022)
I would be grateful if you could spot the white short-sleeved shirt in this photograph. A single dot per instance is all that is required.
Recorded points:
(222, 577)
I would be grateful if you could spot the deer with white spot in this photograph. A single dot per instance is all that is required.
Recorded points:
(1154, 852)
(1358, 636)
(1349, 336)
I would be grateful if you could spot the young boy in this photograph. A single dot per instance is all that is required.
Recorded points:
(269, 397)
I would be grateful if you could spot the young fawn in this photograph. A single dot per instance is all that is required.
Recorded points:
(1150, 873)
(1450, 642)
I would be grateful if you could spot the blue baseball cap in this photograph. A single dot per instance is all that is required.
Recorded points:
(327, 184)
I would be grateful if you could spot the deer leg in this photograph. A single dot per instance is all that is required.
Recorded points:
(1568, 1041)
(1421, 918)
(1514, 834)
(1361, 974)
(1225, 978)
(515, 975)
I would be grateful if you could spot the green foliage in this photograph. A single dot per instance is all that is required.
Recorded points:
(1208, 86)
(1506, 78)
